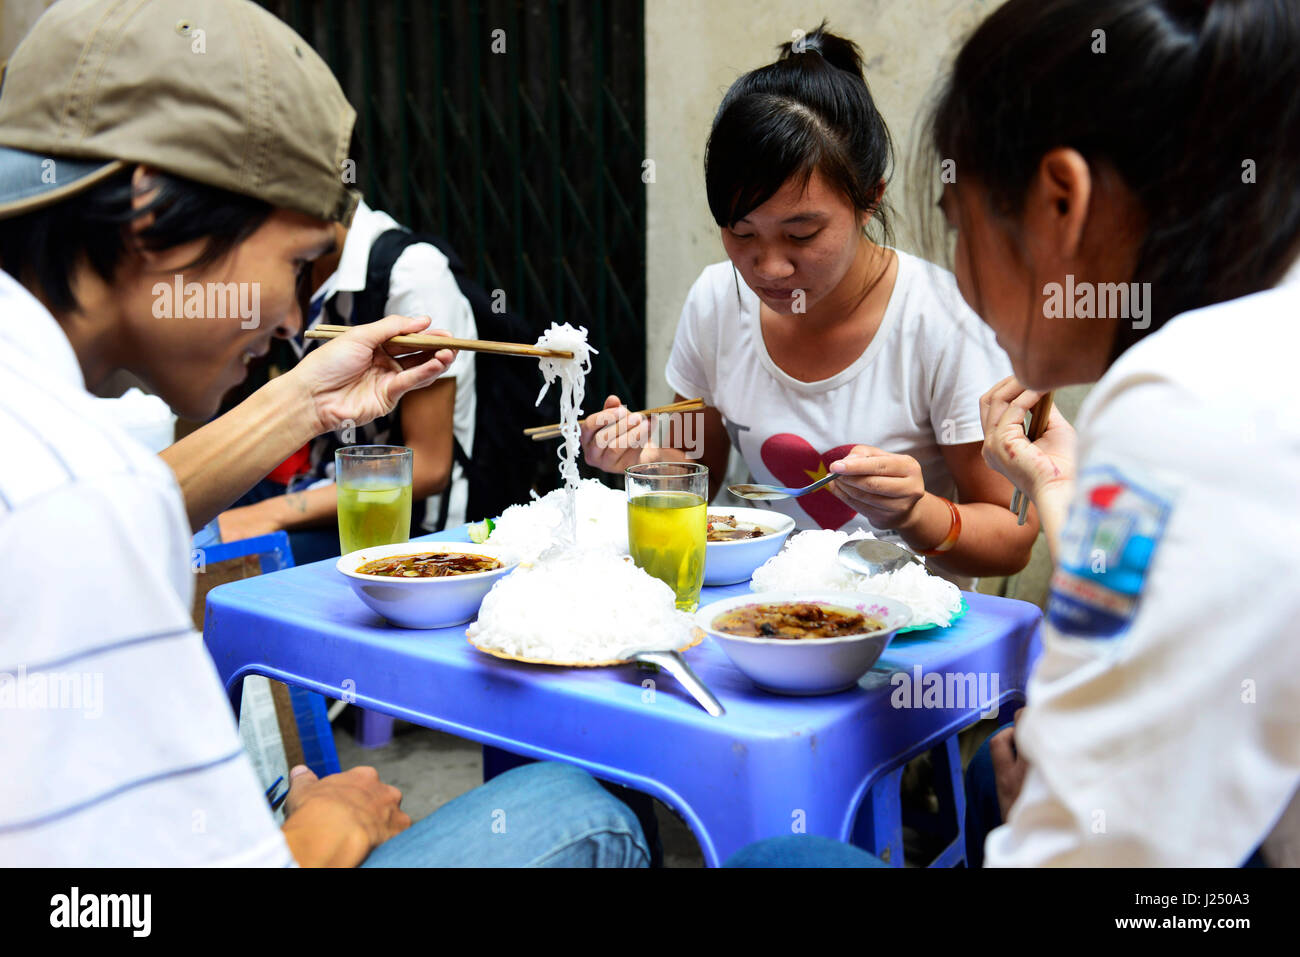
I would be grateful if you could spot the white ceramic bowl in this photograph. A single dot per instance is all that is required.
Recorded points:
(424, 602)
(728, 563)
(807, 666)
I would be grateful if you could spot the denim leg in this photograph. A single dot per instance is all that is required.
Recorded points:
(802, 850)
(982, 811)
(537, 815)
(643, 806)
(497, 761)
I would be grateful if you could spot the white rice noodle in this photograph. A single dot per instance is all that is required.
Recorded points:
(580, 607)
(572, 374)
(810, 562)
(527, 531)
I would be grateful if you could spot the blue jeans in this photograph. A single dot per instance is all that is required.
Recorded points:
(537, 815)
(802, 850)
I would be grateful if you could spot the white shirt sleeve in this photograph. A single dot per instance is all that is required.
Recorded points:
(421, 284)
(139, 763)
(1172, 741)
(692, 366)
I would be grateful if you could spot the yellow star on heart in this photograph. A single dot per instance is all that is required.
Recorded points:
(819, 474)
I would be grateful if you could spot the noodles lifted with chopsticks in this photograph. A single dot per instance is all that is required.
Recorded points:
(572, 374)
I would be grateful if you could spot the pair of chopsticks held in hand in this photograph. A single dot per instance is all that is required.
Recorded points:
(431, 343)
(1038, 416)
(541, 433)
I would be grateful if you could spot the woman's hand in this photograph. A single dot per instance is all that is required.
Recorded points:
(1031, 467)
(884, 487)
(336, 821)
(356, 378)
(615, 438)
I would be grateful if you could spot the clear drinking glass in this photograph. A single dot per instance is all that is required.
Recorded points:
(667, 504)
(374, 488)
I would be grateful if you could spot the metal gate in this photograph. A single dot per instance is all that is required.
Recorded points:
(516, 129)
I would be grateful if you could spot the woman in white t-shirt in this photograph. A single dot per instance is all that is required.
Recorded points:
(815, 348)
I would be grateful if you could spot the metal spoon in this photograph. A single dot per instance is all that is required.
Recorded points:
(869, 556)
(767, 493)
(676, 665)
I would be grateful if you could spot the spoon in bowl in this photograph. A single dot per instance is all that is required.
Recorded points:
(768, 493)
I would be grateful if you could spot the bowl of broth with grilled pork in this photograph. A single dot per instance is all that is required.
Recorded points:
(738, 540)
(425, 584)
(804, 643)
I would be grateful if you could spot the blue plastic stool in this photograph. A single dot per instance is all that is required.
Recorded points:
(274, 553)
(879, 825)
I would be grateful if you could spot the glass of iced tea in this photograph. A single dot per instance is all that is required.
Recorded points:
(374, 489)
(666, 519)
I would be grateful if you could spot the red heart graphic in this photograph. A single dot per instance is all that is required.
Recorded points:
(795, 464)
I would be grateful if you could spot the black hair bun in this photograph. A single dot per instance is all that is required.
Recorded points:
(836, 50)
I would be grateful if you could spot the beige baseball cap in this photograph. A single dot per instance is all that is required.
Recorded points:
(217, 91)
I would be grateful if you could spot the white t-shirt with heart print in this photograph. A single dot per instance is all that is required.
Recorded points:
(915, 388)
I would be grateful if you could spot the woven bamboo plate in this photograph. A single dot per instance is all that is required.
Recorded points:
(696, 637)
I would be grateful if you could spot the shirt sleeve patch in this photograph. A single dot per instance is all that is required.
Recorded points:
(1110, 537)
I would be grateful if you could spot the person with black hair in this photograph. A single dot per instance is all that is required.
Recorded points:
(816, 347)
(1119, 149)
(158, 205)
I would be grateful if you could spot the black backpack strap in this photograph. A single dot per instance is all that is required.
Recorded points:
(368, 304)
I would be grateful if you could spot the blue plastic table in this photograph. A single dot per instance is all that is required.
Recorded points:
(772, 765)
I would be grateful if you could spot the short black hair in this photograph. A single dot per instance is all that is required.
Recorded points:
(810, 111)
(1182, 94)
(42, 249)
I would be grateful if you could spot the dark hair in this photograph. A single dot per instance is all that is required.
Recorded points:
(1184, 94)
(43, 248)
(810, 111)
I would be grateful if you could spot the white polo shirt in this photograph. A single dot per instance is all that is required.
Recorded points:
(117, 742)
(1163, 723)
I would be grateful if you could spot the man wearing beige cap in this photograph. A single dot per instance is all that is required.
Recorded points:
(168, 170)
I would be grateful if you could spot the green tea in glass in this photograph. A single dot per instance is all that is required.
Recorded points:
(374, 489)
(666, 520)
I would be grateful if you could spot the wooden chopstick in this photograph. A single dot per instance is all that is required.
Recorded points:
(1038, 416)
(540, 433)
(447, 342)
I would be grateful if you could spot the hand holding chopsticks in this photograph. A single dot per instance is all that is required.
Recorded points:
(325, 331)
(1029, 442)
(1038, 417)
(541, 433)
